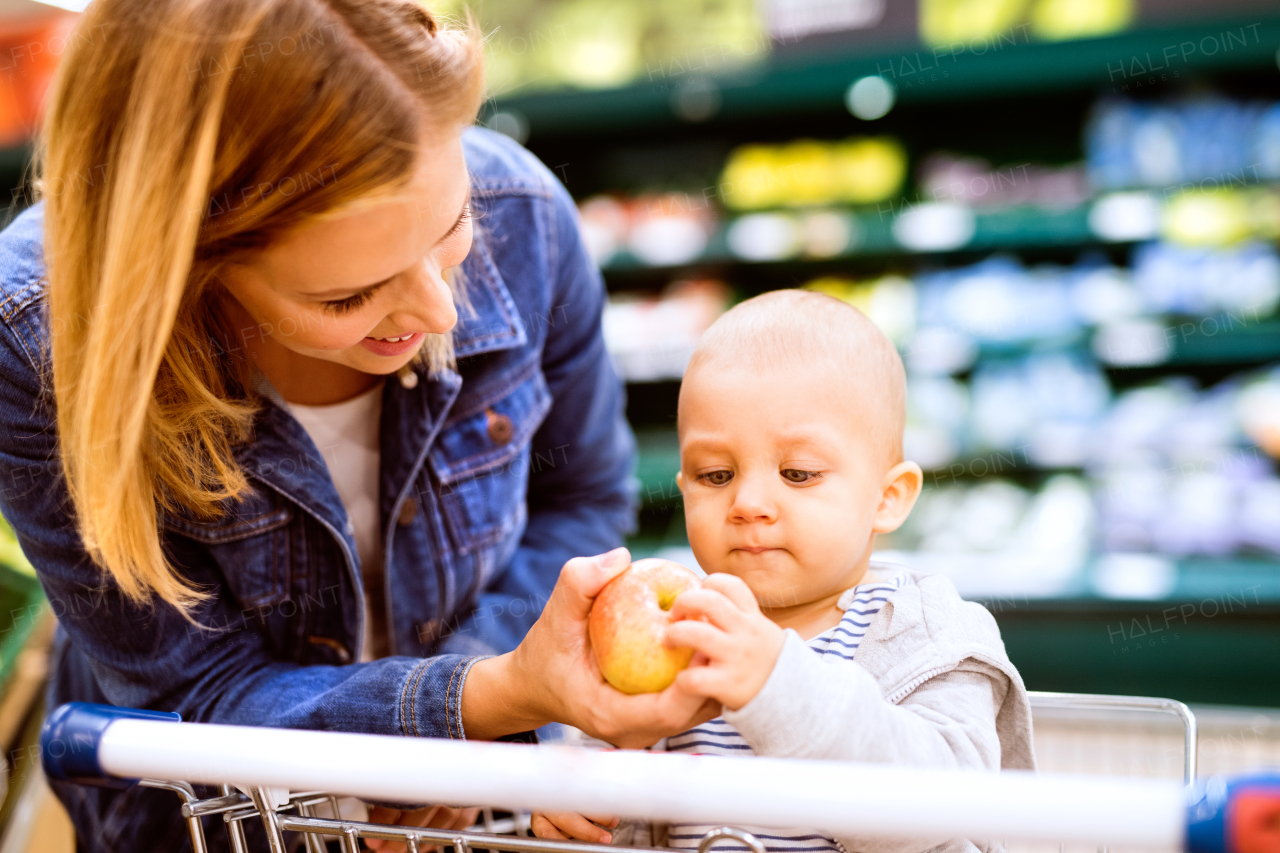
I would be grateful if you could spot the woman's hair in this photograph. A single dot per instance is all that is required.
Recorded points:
(181, 135)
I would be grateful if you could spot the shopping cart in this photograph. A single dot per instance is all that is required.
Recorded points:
(282, 776)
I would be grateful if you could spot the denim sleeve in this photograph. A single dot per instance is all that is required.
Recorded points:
(584, 500)
(149, 656)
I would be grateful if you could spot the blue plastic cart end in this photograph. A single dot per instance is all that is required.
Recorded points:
(1235, 815)
(70, 737)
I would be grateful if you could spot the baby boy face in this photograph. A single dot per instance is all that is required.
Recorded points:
(782, 476)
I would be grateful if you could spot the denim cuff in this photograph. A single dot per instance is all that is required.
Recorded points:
(453, 697)
(431, 699)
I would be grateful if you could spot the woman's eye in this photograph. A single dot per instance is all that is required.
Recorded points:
(795, 475)
(461, 224)
(716, 478)
(351, 303)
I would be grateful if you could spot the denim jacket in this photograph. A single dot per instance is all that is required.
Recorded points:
(492, 476)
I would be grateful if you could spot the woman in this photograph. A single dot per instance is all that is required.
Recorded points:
(239, 403)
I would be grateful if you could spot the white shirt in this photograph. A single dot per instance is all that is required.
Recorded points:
(346, 434)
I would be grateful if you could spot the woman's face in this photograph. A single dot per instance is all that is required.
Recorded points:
(363, 290)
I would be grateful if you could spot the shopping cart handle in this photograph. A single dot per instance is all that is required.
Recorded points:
(70, 736)
(1236, 815)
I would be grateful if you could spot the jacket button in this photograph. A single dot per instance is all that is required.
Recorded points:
(340, 650)
(408, 510)
(500, 429)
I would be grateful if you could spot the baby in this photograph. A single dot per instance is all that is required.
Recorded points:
(790, 425)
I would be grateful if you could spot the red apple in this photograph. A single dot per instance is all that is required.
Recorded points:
(627, 622)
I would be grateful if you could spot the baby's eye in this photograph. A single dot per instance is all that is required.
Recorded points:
(716, 478)
(795, 475)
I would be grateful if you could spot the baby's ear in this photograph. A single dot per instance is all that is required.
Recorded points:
(680, 480)
(901, 487)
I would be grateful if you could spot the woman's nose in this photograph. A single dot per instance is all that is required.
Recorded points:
(427, 303)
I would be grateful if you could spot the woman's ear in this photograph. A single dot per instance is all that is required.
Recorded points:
(901, 487)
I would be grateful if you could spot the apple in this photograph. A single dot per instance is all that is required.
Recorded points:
(628, 619)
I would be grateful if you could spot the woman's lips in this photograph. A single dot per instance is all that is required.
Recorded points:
(388, 347)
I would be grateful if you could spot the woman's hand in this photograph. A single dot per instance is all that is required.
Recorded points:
(434, 817)
(553, 676)
(565, 825)
(737, 645)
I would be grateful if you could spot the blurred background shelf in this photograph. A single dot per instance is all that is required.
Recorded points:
(1026, 227)
(1064, 214)
(1072, 240)
(816, 81)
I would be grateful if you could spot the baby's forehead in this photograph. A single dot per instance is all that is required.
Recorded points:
(745, 408)
(828, 355)
(823, 400)
(827, 377)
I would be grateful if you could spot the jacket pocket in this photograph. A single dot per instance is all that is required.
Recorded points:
(251, 545)
(481, 461)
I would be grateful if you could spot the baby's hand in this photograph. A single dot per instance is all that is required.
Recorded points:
(737, 644)
(565, 825)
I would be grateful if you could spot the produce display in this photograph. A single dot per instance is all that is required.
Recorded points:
(658, 229)
(944, 319)
(944, 22)
(1204, 143)
(1037, 442)
(652, 337)
(807, 172)
(1170, 468)
(591, 44)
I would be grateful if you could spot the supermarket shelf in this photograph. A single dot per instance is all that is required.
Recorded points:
(1005, 581)
(1225, 339)
(1210, 637)
(871, 234)
(817, 83)
(1010, 228)
(1231, 340)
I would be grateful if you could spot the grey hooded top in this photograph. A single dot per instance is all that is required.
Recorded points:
(931, 686)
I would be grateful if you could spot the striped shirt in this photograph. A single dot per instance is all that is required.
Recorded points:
(717, 737)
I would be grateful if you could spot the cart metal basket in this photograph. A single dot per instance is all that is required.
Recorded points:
(284, 777)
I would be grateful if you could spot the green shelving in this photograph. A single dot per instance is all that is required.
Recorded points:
(1008, 65)
(1212, 654)
(872, 234)
(1208, 634)
(1231, 339)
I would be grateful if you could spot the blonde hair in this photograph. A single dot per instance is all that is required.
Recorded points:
(162, 117)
